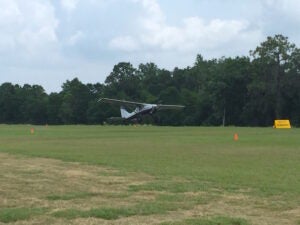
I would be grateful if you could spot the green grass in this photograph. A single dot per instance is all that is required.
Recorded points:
(264, 160)
(190, 168)
(104, 213)
(8, 215)
(142, 209)
(211, 221)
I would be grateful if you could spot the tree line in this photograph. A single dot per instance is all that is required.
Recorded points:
(242, 91)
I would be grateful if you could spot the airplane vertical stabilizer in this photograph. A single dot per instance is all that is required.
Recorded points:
(124, 113)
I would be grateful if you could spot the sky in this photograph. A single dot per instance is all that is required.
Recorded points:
(47, 42)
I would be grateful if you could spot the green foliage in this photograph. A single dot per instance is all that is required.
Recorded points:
(8, 215)
(75, 102)
(274, 86)
(27, 104)
(240, 91)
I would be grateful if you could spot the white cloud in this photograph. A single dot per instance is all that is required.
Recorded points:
(153, 10)
(124, 43)
(46, 37)
(290, 8)
(9, 12)
(75, 38)
(28, 27)
(281, 17)
(192, 35)
(10, 18)
(69, 5)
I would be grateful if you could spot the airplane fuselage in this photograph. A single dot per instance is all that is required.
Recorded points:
(140, 108)
(145, 109)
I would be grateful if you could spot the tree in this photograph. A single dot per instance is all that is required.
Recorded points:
(10, 103)
(95, 113)
(34, 104)
(75, 100)
(148, 74)
(272, 60)
(230, 96)
(169, 95)
(123, 82)
(237, 91)
(53, 108)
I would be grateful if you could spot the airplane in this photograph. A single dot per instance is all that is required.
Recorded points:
(140, 108)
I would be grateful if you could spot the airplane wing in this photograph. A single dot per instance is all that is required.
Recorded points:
(159, 107)
(121, 102)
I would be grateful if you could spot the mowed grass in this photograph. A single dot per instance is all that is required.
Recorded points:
(264, 164)
(263, 159)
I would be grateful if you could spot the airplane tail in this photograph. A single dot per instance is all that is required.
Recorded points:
(124, 113)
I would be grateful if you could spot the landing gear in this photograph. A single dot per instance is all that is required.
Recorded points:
(137, 120)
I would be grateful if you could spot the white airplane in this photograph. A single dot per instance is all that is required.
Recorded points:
(140, 108)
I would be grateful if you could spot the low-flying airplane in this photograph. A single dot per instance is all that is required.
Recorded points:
(140, 108)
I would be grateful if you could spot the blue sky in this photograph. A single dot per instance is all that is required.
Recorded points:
(46, 42)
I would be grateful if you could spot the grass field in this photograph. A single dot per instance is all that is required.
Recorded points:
(149, 175)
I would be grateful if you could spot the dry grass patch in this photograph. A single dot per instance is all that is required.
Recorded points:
(53, 185)
(245, 207)
(47, 191)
